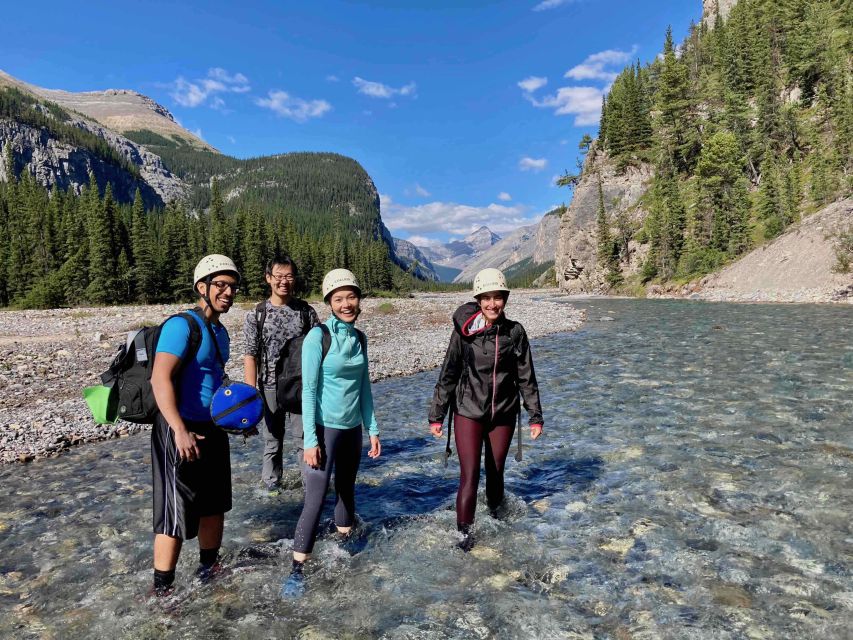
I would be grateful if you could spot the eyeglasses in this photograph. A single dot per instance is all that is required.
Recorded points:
(221, 285)
(288, 278)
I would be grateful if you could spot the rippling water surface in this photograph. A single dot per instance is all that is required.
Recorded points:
(694, 482)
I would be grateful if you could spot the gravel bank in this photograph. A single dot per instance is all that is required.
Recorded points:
(47, 357)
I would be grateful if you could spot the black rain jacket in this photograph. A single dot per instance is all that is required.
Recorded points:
(484, 369)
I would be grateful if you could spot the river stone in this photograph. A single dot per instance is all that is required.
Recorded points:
(503, 580)
(313, 633)
(619, 546)
(576, 507)
(484, 553)
(731, 595)
(541, 505)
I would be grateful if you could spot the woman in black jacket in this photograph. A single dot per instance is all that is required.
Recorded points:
(487, 363)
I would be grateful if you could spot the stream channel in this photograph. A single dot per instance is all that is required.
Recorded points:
(693, 481)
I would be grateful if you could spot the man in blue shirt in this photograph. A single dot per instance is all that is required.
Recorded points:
(190, 456)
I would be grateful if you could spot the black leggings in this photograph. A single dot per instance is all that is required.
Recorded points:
(471, 435)
(340, 449)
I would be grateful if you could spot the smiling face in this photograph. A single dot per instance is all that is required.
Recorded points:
(223, 288)
(492, 305)
(345, 303)
(282, 280)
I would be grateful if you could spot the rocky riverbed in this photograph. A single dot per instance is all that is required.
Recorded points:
(47, 357)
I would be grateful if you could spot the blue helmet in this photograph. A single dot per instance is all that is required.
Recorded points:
(236, 407)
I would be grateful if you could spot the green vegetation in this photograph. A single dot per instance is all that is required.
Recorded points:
(748, 125)
(59, 248)
(844, 250)
(41, 114)
(386, 309)
(523, 274)
(151, 139)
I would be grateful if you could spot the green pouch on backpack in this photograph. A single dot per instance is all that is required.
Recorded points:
(103, 403)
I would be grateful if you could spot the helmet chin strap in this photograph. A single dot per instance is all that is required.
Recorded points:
(206, 296)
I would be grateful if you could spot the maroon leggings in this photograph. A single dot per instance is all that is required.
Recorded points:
(470, 437)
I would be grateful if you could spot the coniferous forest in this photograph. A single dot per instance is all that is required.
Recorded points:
(748, 125)
(60, 248)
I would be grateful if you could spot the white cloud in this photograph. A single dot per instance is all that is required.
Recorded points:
(423, 241)
(380, 90)
(582, 102)
(232, 139)
(283, 104)
(332, 78)
(237, 81)
(594, 67)
(452, 218)
(204, 90)
(197, 133)
(503, 195)
(551, 4)
(532, 83)
(532, 164)
(423, 193)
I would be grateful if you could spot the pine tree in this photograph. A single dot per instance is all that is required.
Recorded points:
(676, 130)
(254, 242)
(723, 196)
(102, 262)
(142, 275)
(770, 208)
(218, 240)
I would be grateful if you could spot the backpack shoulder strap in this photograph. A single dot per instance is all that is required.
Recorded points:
(327, 340)
(195, 335)
(260, 319)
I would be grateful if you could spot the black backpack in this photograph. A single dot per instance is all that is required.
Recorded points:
(130, 370)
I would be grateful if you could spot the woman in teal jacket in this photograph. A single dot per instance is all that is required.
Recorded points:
(337, 404)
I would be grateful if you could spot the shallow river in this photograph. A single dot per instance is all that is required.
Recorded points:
(694, 481)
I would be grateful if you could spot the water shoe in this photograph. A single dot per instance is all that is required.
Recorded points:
(294, 586)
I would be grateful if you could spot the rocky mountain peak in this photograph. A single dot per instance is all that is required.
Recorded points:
(482, 239)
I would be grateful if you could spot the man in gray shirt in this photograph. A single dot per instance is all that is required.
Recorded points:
(281, 317)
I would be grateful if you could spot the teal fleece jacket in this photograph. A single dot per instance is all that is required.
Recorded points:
(336, 393)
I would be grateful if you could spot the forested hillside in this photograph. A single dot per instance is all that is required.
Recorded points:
(64, 247)
(61, 249)
(748, 125)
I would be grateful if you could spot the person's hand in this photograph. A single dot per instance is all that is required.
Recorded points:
(435, 428)
(535, 431)
(312, 457)
(375, 447)
(186, 442)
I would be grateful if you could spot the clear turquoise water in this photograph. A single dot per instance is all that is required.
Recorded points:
(694, 482)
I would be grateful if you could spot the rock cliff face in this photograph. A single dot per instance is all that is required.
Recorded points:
(575, 260)
(710, 8)
(53, 162)
(407, 253)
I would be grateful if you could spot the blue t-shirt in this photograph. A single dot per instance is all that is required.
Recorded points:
(202, 376)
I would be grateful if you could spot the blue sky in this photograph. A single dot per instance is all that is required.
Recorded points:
(462, 112)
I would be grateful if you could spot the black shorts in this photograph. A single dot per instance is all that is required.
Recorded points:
(186, 491)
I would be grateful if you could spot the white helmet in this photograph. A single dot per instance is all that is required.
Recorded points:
(214, 263)
(489, 280)
(337, 278)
